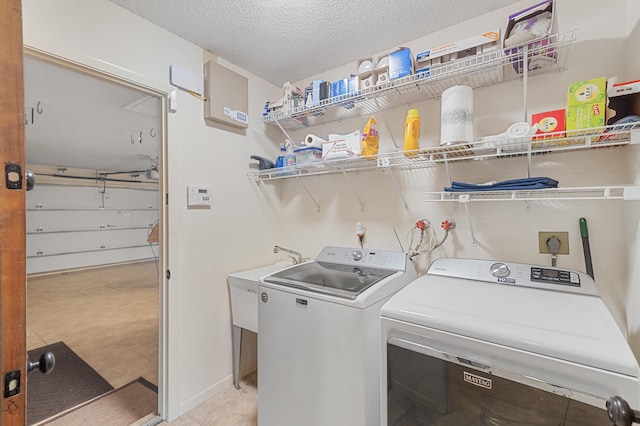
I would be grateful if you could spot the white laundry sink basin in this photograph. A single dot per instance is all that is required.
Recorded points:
(243, 288)
(243, 291)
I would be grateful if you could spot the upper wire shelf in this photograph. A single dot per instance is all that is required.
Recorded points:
(597, 137)
(543, 56)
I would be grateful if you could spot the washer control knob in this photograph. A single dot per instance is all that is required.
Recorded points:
(500, 270)
(357, 255)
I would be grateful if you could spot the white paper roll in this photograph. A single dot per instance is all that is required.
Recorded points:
(456, 115)
(365, 66)
(313, 140)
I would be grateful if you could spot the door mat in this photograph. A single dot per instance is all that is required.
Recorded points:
(119, 407)
(71, 383)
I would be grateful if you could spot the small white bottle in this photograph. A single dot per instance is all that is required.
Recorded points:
(290, 157)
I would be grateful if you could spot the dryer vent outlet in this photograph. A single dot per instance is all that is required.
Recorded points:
(543, 237)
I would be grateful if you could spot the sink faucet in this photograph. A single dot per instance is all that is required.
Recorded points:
(297, 257)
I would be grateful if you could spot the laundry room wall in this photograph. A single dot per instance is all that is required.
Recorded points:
(632, 210)
(247, 218)
(506, 230)
(204, 245)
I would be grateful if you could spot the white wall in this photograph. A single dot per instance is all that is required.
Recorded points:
(247, 219)
(632, 210)
(504, 230)
(237, 233)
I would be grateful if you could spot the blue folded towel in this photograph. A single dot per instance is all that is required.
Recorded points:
(507, 185)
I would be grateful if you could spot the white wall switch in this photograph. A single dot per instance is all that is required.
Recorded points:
(198, 196)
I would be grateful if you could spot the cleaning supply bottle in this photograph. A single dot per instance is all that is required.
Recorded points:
(290, 157)
(280, 159)
(411, 132)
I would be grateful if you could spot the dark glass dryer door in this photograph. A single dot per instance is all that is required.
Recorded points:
(345, 281)
(424, 390)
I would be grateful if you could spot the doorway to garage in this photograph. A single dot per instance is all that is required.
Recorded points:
(93, 246)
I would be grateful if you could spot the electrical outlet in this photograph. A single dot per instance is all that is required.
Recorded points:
(543, 237)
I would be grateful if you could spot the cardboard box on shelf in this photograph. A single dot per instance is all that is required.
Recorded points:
(400, 63)
(551, 124)
(624, 101)
(479, 43)
(586, 104)
(587, 91)
(531, 27)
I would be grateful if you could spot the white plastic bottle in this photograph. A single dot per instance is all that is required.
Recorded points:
(290, 157)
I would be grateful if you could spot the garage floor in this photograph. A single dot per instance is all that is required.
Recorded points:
(109, 317)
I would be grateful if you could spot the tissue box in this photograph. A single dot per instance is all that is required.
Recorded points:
(549, 122)
(341, 146)
(624, 100)
(400, 63)
(532, 26)
(586, 104)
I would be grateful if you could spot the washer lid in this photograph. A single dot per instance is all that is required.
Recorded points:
(570, 326)
(346, 281)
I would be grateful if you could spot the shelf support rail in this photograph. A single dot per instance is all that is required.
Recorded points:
(353, 188)
(464, 199)
(386, 125)
(309, 193)
(398, 190)
(283, 130)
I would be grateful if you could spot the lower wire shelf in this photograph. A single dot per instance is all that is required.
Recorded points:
(620, 192)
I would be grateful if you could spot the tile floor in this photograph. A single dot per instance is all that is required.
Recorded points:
(109, 317)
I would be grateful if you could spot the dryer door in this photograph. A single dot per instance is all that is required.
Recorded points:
(424, 389)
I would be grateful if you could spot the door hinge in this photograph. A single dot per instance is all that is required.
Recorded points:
(166, 198)
(168, 274)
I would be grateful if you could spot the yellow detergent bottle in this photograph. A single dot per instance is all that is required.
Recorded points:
(411, 132)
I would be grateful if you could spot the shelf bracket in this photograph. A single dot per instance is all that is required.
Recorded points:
(309, 193)
(386, 125)
(395, 184)
(283, 130)
(353, 188)
(464, 199)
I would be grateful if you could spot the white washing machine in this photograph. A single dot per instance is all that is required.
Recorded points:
(476, 342)
(319, 337)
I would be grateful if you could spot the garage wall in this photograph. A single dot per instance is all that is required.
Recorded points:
(72, 227)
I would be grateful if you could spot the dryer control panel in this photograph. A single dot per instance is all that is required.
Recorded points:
(515, 274)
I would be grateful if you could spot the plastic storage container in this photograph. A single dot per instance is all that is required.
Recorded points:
(310, 154)
(411, 132)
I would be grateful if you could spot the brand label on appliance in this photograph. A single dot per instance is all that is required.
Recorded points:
(477, 380)
(507, 280)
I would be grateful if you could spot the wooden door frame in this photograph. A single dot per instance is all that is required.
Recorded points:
(13, 356)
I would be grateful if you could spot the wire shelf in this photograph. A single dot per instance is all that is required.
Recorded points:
(543, 56)
(621, 192)
(592, 138)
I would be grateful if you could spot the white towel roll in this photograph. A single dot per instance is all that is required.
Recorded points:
(313, 140)
(456, 115)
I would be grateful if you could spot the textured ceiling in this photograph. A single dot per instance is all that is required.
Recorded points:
(289, 40)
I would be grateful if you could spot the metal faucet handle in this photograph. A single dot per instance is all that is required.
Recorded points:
(297, 257)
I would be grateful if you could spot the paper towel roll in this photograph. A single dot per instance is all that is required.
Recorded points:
(456, 115)
(313, 140)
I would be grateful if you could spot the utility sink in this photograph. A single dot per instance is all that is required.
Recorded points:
(243, 291)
